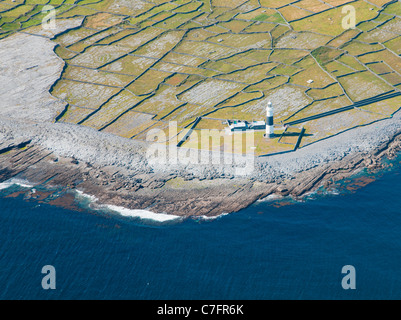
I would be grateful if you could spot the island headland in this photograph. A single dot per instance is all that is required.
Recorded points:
(36, 147)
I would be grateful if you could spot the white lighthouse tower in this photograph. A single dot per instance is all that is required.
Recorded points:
(269, 121)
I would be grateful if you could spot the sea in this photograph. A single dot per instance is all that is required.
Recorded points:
(278, 248)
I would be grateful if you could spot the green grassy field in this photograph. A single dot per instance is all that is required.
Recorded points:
(132, 66)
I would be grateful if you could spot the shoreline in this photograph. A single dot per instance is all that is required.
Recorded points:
(169, 192)
(118, 172)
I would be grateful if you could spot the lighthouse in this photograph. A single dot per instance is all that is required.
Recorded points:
(269, 121)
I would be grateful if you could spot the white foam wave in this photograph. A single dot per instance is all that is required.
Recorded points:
(135, 213)
(8, 183)
(271, 197)
(143, 214)
(5, 185)
(87, 196)
(212, 218)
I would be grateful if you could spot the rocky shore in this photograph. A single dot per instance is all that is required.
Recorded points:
(116, 172)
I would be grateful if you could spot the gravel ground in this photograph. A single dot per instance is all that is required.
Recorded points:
(28, 68)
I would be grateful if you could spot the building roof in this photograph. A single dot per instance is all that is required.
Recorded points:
(238, 124)
(258, 123)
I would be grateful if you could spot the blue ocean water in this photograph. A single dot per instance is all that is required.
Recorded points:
(272, 250)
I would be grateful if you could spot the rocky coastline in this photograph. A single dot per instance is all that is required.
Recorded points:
(118, 172)
(175, 191)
